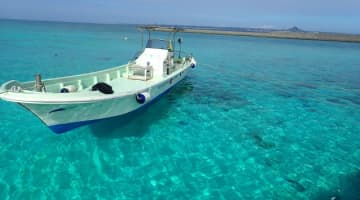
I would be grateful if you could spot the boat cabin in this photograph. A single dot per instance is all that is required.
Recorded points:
(156, 60)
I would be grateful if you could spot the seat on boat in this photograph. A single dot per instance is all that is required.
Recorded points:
(137, 72)
(150, 63)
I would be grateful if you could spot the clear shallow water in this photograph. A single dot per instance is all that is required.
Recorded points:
(257, 119)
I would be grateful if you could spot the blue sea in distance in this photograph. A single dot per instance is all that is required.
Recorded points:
(258, 118)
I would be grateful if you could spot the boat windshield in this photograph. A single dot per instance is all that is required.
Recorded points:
(157, 44)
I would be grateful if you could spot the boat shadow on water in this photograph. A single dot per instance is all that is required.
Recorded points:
(136, 123)
(132, 125)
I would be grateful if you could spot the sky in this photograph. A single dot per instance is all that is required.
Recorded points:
(311, 15)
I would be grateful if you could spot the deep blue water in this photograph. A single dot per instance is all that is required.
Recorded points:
(258, 118)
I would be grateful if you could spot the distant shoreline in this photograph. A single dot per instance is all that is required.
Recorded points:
(339, 37)
(282, 34)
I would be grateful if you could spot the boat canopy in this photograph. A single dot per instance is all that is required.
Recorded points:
(157, 44)
(160, 44)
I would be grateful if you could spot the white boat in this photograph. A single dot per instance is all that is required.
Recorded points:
(69, 102)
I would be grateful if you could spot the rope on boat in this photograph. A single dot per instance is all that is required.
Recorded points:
(285, 82)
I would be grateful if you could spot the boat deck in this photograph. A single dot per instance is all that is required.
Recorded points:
(123, 85)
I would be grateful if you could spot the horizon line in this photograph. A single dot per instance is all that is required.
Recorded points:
(159, 24)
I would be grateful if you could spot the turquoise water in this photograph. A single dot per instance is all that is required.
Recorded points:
(256, 119)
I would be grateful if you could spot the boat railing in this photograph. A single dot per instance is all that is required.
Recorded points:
(79, 82)
(180, 54)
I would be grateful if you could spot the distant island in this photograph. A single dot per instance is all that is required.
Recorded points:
(291, 33)
(295, 29)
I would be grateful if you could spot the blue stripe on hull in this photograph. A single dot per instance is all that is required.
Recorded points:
(61, 128)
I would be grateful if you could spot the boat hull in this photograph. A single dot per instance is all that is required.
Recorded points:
(64, 117)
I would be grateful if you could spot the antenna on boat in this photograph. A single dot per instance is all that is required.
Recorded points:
(174, 30)
(142, 39)
(179, 41)
(142, 35)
